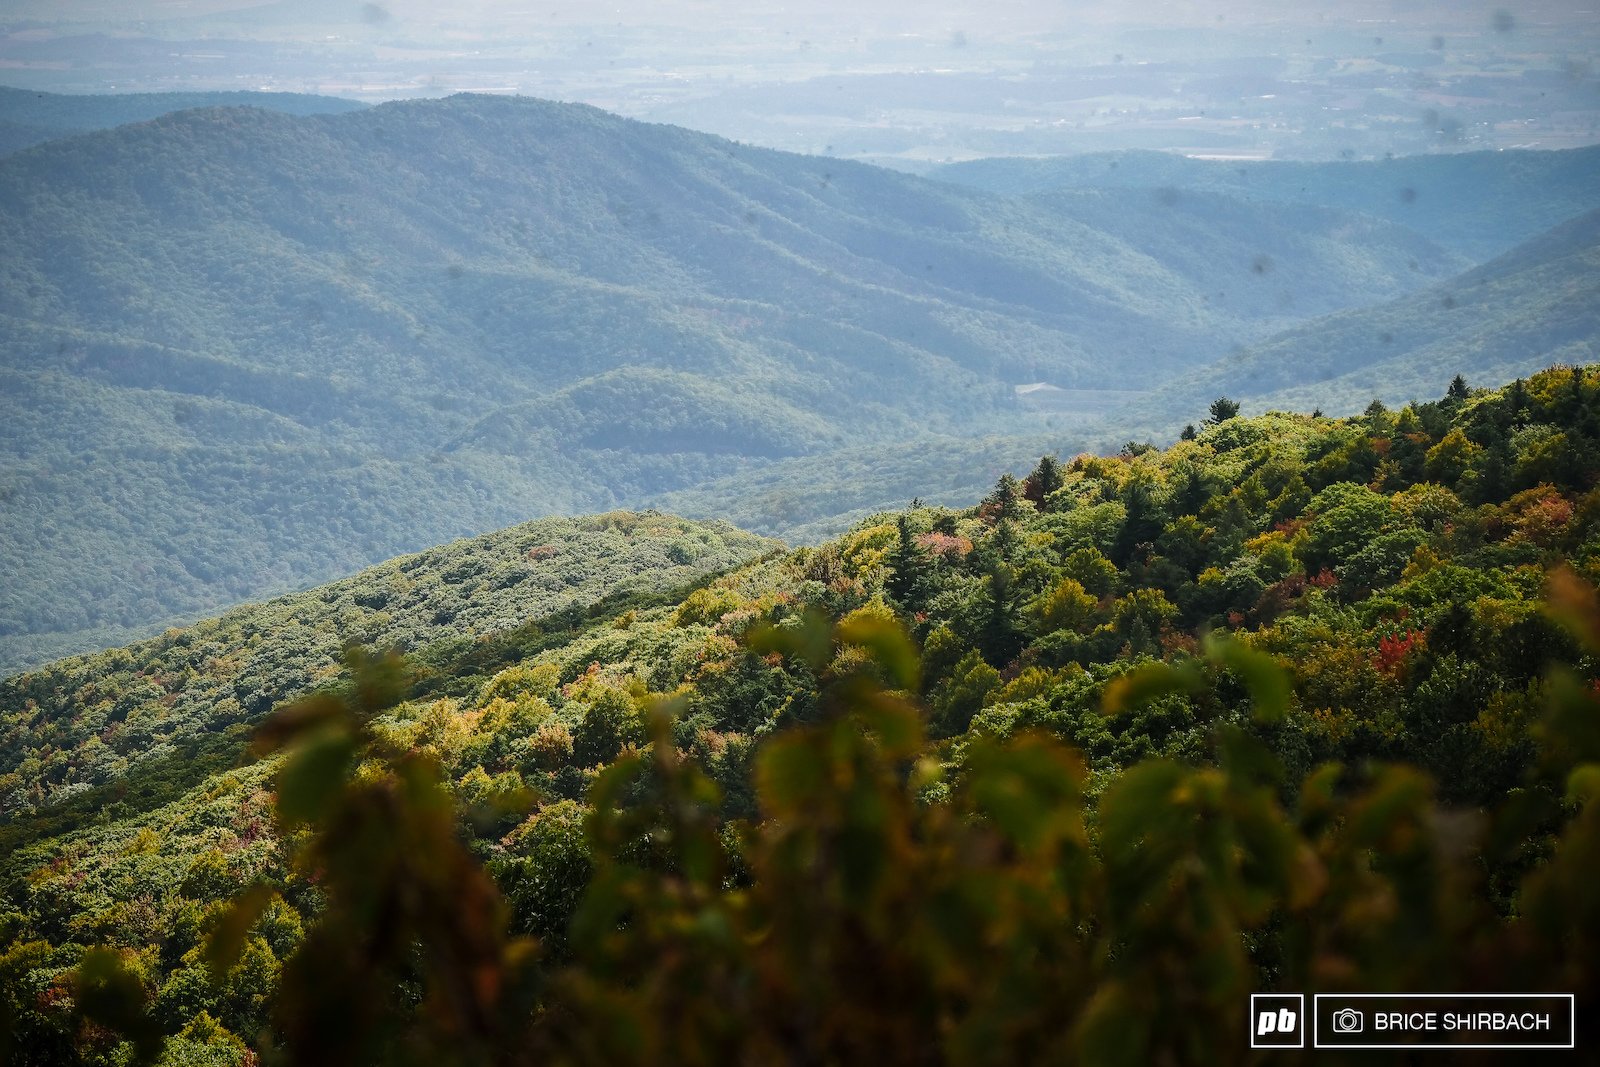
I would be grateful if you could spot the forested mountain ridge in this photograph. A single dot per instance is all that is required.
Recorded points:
(231, 341)
(1480, 204)
(148, 703)
(1529, 308)
(29, 117)
(1236, 635)
(1536, 305)
(1290, 250)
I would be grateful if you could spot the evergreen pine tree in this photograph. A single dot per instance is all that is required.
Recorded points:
(1570, 403)
(1189, 495)
(1222, 409)
(1046, 478)
(1002, 637)
(1517, 400)
(1144, 522)
(1492, 483)
(1139, 638)
(911, 566)
(1005, 542)
(1005, 502)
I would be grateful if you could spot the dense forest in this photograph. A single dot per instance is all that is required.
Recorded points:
(246, 351)
(1297, 703)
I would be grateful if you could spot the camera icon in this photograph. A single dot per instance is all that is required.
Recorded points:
(1347, 1021)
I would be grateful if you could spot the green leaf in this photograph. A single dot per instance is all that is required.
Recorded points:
(1245, 757)
(1144, 684)
(108, 992)
(1262, 675)
(314, 774)
(1319, 792)
(1112, 1031)
(1518, 825)
(1575, 604)
(604, 903)
(605, 794)
(1029, 788)
(227, 937)
(891, 649)
(1144, 798)
(1569, 733)
(810, 639)
(380, 680)
(1399, 798)
(789, 772)
(898, 725)
(294, 721)
(1583, 784)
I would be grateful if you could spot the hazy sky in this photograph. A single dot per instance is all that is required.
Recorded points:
(1039, 13)
(1246, 78)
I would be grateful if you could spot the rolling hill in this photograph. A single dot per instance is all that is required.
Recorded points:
(28, 118)
(245, 351)
(1479, 204)
(1535, 306)
(461, 600)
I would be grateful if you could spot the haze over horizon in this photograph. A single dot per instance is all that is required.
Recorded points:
(905, 84)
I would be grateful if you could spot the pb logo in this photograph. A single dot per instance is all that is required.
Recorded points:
(1277, 1020)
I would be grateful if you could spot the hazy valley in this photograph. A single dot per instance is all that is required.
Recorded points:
(263, 349)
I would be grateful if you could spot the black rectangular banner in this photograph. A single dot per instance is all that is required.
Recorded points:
(1443, 1020)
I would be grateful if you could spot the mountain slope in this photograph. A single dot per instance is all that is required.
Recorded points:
(1280, 641)
(28, 118)
(1479, 204)
(1261, 259)
(1536, 306)
(156, 700)
(246, 351)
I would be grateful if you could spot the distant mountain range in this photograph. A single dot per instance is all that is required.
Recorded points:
(242, 351)
(1478, 203)
(1533, 307)
(28, 118)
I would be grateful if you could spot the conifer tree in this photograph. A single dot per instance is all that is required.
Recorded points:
(999, 547)
(1046, 478)
(1571, 399)
(1005, 502)
(1144, 522)
(1190, 494)
(1517, 400)
(1002, 637)
(1222, 409)
(1492, 481)
(911, 566)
